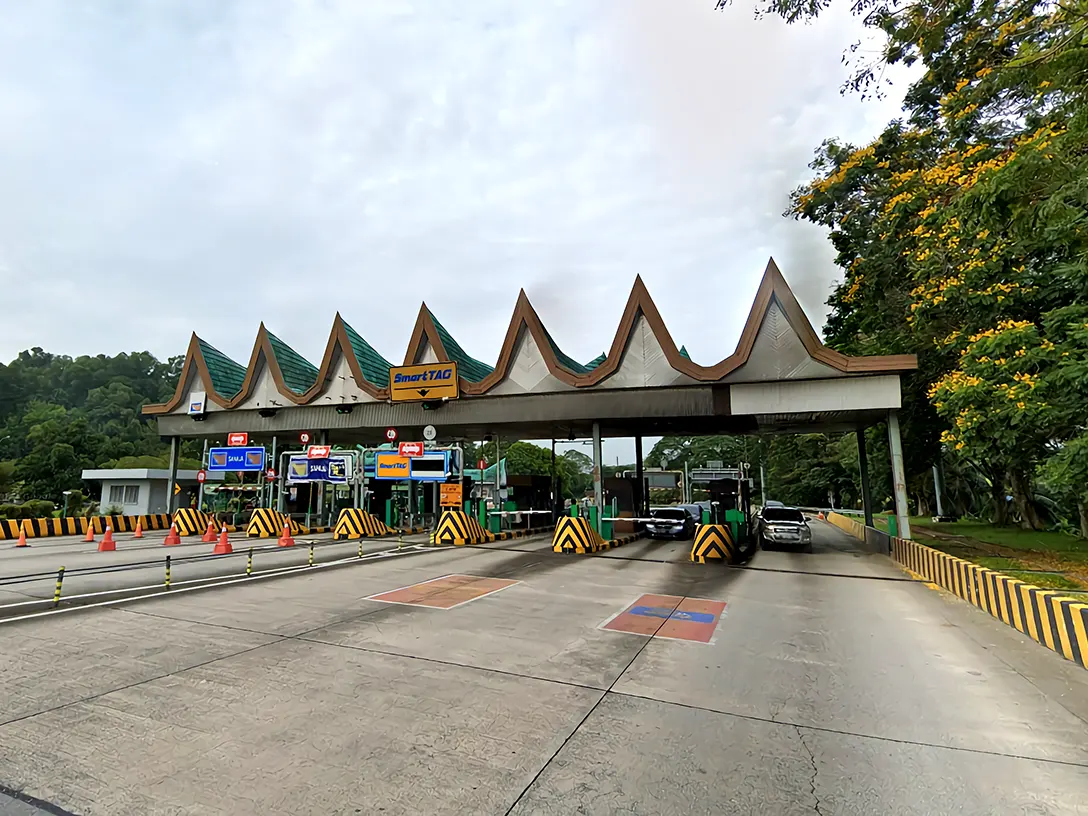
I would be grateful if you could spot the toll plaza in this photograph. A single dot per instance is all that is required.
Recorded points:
(779, 379)
(486, 670)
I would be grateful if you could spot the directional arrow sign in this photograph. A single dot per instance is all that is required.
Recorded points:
(431, 381)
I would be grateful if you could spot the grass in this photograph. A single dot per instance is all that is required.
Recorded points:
(1044, 559)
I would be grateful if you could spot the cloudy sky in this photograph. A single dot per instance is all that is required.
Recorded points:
(207, 164)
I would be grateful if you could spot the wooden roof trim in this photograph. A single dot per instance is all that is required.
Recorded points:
(193, 357)
(338, 338)
(262, 347)
(425, 331)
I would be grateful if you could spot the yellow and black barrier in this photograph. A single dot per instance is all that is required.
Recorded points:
(459, 528)
(77, 525)
(714, 542)
(576, 535)
(191, 522)
(1044, 615)
(356, 523)
(268, 523)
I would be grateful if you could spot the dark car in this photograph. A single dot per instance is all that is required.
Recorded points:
(670, 522)
(783, 527)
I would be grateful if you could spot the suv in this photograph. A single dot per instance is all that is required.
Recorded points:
(670, 522)
(781, 527)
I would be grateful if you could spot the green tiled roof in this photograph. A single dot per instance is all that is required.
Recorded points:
(298, 372)
(468, 367)
(568, 362)
(684, 352)
(596, 361)
(227, 375)
(375, 367)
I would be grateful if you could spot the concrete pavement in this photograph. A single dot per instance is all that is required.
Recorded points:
(832, 685)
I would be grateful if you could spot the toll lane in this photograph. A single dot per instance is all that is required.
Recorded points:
(491, 681)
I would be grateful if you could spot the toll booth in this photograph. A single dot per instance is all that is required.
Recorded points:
(730, 505)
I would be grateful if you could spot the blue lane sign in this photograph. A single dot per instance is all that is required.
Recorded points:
(236, 459)
(303, 469)
(669, 613)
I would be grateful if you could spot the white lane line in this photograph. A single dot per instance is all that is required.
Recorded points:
(161, 593)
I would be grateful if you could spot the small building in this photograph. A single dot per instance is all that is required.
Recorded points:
(144, 491)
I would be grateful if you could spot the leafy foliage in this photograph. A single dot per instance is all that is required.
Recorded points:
(60, 415)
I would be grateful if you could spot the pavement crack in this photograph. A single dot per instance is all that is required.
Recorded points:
(815, 769)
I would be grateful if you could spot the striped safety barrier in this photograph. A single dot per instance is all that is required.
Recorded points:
(714, 542)
(1044, 615)
(576, 535)
(459, 528)
(355, 523)
(77, 525)
(268, 523)
(191, 522)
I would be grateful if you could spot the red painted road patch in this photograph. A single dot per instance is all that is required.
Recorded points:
(445, 592)
(669, 616)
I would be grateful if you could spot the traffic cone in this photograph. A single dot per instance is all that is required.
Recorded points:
(285, 539)
(107, 544)
(22, 538)
(223, 547)
(172, 538)
(89, 538)
(139, 531)
(209, 534)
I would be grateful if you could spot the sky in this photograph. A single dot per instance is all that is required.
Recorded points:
(203, 165)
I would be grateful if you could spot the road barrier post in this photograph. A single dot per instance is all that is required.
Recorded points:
(56, 592)
(311, 555)
(166, 583)
(249, 562)
(360, 555)
(400, 540)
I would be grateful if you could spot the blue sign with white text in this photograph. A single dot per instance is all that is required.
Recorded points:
(302, 469)
(236, 459)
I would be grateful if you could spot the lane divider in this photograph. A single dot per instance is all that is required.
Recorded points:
(1059, 623)
(576, 535)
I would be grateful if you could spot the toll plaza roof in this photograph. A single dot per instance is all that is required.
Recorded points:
(780, 378)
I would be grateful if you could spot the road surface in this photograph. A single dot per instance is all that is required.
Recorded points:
(828, 683)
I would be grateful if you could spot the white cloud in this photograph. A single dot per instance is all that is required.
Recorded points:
(202, 166)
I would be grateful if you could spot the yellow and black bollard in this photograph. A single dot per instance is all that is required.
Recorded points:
(166, 583)
(360, 555)
(400, 540)
(311, 555)
(56, 592)
(249, 562)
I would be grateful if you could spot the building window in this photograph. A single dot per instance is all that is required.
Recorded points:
(132, 494)
(117, 494)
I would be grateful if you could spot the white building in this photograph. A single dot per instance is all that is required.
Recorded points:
(143, 491)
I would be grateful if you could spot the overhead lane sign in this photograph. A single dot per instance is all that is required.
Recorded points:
(431, 381)
(236, 459)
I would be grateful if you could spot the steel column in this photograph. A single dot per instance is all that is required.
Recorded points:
(866, 490)
(899, 478)
(598, 492)
(171, 497)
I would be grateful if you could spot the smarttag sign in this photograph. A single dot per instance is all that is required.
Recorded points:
(236, 459)
(431, 381)
(391, 465)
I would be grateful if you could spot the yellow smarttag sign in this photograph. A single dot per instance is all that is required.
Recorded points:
(430, 381)
(391, 465)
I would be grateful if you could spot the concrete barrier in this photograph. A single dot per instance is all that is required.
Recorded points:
(872, 540)
(355, 523)
(77, 525)
(714, 542)
(576, 535)
(268, 523)
(459, 528)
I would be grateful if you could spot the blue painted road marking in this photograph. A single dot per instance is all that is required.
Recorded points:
(671, 614)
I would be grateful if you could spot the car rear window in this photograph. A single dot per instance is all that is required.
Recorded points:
(782, 514)
(678, 514)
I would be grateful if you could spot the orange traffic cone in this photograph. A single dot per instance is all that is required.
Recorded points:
(89, 538)
(209, 534)
(22, 538)
(285, 539)
(139, 531)
(223, 547)
(107, 544)
(172, 538)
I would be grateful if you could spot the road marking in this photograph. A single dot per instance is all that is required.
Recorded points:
(444, 592)
(213, 583)
(672, 617)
